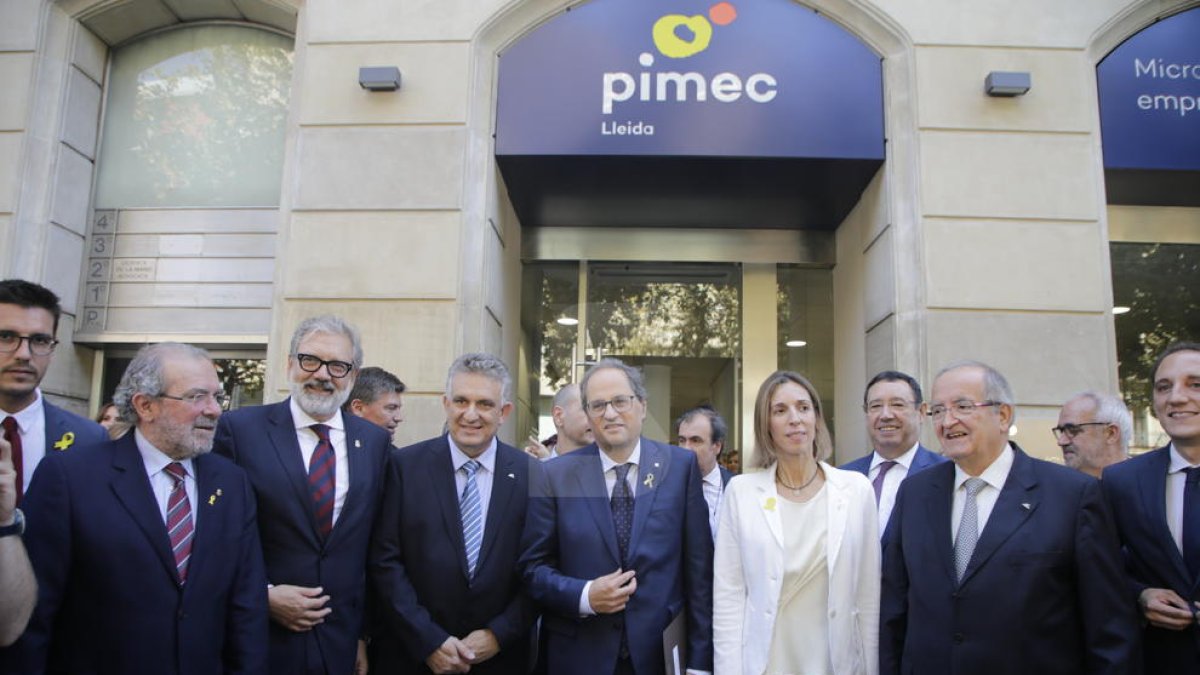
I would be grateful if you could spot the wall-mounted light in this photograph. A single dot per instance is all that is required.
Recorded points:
(567, 321)
(1119, 309)
(1006, 83)
(379, 78)
(795, 343)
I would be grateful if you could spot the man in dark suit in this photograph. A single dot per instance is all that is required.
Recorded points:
(611, 569)
(318, 477)
(703, 431)
(998, 563)
(376, 397)
(445, 554)
(1156, 501)
(32, 425)
(145, 548)
(894, 408)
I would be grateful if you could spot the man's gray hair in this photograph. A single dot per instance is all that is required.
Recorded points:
(482, 363)
(995, 385)
(333, 325)
(632, 374)
(144, 375)
(1111, 409)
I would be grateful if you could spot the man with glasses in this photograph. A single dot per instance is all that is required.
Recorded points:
(445, 553)
(33, 426)
(894, 409)
(997, 562)
(318, 475)
(146, 550)
(1093, 431)
(1155, 498)
(617, 542)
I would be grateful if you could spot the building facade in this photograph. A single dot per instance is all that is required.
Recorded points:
(212, 171)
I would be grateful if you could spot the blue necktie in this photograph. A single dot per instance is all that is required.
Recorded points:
(1191, 521)
(622, 509)
(471, 510)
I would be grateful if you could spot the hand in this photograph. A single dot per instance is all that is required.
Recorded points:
(297, 608)
(483, 643)
(609, 593)
(452, 657)
(535, 449)
(8, 484)
(1164, 608)
(360, 659)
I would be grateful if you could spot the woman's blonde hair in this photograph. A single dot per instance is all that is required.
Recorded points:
(765, 450)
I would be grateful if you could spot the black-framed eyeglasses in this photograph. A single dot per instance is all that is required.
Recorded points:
(1070, 431)
(961, 409)
(311, 364)
(40, 344)
(621, 404)
(198, 399)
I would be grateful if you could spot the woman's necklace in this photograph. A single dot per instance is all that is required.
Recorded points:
(796, 490)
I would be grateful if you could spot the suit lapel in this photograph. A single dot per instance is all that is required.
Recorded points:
(589, 475)
(652, 475)
(1152, 486)
(132, 488)
(1017, 502)
(938, 509)
(768, 503)
(441, 478)
(504, 484)
(836, 518)
(206, 514)
(282, 433)
(356, 466)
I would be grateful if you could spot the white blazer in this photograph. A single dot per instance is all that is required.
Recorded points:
(748, 574)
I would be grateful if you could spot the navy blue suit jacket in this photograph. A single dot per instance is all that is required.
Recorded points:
(419, 560)
(1044, 591)
(1136, 492)
(262, 440)
(570, 539)
(726, 474)
(924, 459)
(109, 596)
(66, 428)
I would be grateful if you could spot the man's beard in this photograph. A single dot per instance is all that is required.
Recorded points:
(319, 405)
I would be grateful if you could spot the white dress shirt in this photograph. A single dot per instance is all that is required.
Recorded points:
(713, 487)
(31, 424)
(610, 481)
(1176, 482)
(891, 481)
(484, 476)
(161, 482)
(308, 445)
(994, 476)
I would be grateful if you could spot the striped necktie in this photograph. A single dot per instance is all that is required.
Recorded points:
(179, 520)
(471, 510)
(321, 479)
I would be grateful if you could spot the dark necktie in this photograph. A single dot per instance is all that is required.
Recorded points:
(878, 482)
(13, 435)
(179, 520)
(622, 509)
(321, 479)
(1191, 521)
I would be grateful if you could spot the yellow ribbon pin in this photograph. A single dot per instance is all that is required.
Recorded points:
(212, 499)
(770, 504)
(65, 442)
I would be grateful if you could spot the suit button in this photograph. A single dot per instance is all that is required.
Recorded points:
(958, 638)
(833, 613)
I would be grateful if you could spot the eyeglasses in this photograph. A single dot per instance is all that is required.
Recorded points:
(621, 404)
(311, 364)
(961, 409)
(898, 406)
(1069, 431)
(39, 345)
(198, 399)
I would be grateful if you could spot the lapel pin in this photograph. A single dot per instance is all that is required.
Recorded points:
(512, 476)
(649, 482)
(656, 465)
(1025, 505)
(769, 505)
(212, 499)
(357, 443)
(65, 442)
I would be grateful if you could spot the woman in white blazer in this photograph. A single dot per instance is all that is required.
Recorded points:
(796, 577)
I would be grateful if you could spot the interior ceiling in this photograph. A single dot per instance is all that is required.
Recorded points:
(691, 192)
(120, 20)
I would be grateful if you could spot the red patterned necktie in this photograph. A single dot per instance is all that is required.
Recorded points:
(321, 474)
(179, 520)
(13, 435)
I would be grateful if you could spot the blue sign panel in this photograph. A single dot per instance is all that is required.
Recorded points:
(697, 78)
(1150, 97)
